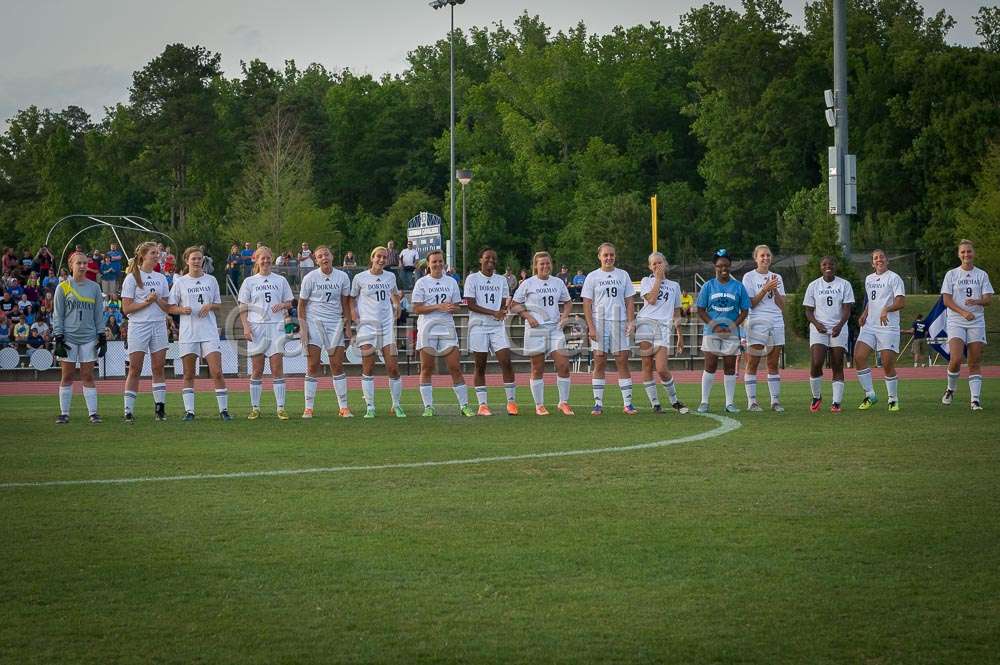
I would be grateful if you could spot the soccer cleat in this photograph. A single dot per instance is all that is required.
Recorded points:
(63, 419)
(816, 404)
(948, 397)
(755, 407)
(777, 408)
(598, 410)
(484, 411)
(868, 402)
(894, 406)
(369, 412)
(428, 412)
(224, 415)
(703, 407)
(512, 408)
(731, 408)
(95, 419)
(540, 410)
(657, 408)
(467, 411)
(345, 413)
(975, 405)
(129, 418)
(188, 417)
(161, 411)
(254, 413)
(835, 408)
(680, 408)
(282, 414)
(398, 411)
(629, 410)
(564, 409)
(307, 414)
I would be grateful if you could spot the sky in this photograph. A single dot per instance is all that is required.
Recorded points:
(61, 52)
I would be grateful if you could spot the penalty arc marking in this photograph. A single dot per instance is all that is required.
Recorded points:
(725, 426)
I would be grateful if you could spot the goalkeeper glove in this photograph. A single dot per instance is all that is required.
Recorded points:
(61, 349)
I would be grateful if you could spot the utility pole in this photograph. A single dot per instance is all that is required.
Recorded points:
(842, 166)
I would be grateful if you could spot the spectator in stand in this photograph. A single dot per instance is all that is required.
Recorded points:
(46, 306)
(393, 255)
(169, 262)
(117, 257)
(27, 262)
(16, 290)
(4, 333)
(522, 277)
(94, 266)
(63, 275)
(8, 306)
(50, 281)
(35, 341)
(246, 259)
(919, 343)
(349, 260)
(41, 328)
(207, 265)
(169, 273)
(282, 259)
(24, 305)
(234, 264)
(305, 258)
(21, 332)
(408, 257)
(44, 260)
(451, 272)
(10, 262)
(564, 275)
(109, 276)
(511, 280)
(687, 304)
(576, 284)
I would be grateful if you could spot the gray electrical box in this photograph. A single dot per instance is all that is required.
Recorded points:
(835, 182)
(851, 184)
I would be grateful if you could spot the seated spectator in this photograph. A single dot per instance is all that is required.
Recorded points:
(109, 276)
(113, 314)
(24, 304)
(349, 260)
(522, 277)
(115, 326)
(576, 284)
(42, 328)
(687, 304)
(47, 305)
(109, 334)
(282, 259)
(4, 333)
(8, 306)
(115, 303)
(63, 275)
(21, 332)
(16, 290)
(34, 297)
(564, 275)
(35, 341)
(50, 281)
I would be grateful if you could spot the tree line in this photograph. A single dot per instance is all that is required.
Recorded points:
(567, 133)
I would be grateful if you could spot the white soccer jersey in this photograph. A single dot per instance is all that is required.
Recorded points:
(196, 292)
(767, 309)
(881, 290)
(323, 293)
(373, 294)
(608, 291)
(151, 281)
(962, 285)
(435, 291)
(488, 293)
(667, 300)
(542, 298)
(261, 293)
(827, 299)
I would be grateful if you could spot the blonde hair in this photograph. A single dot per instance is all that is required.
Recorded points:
(534, 260)
(758, 248)
(257, 254)
(135, 263)
(188, 252)
(657, 255)
(375, 250)
(72, 256)
(964, 242)
(606, 244)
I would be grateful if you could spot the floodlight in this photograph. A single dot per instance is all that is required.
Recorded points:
(829, 98)
(831, 117)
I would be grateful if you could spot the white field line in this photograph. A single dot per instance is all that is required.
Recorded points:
(725, 426)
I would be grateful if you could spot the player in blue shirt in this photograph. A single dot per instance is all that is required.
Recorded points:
(723, 304)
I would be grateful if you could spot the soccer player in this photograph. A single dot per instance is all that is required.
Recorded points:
(324, 306)
(144, 302)
(436, 298)
(610, 314)
(723, 304)
(487, 295)
(195, 298)
(880, 329)
(538, 300)
(265, 298)
(966, 290)
(765, 327)
(78, 326)
(375, 299)
(659, 317)
(828, 302)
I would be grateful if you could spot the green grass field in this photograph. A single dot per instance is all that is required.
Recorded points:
(864, 537)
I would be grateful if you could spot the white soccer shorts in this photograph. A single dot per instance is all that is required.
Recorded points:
(826, 339)
(200, 349)
(148, 337)
(326, 335)
(543, 340)
(880, 340)
(968, 335)
(487, 339)
(765, 333)
(658, 333)
(80, 353)
(611, 337)
(378, 334)
(437, 343)
(268, 339)
(721, 346)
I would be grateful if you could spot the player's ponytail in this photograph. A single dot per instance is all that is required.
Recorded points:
(135, 263)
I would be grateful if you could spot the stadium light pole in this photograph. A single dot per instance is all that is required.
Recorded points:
(439, 4)
(842, 166)
(464, 176)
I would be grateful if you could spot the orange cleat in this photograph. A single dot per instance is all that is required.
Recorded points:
(484, 411)
(512, 408)
(346, 413)
(541, 411)
(565, 410)
(308, 413)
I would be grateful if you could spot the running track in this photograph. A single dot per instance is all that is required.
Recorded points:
(116, 386)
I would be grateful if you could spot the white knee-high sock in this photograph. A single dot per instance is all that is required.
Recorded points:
(538, 391)
(368, 390)
(729, 381)
(511, 390)
(159, 393)
(816, 386)
(278, 386)
(481, 395)
(222, 399)
(774, 387)
(865, 379)
(563, 385)
(65, 399)
(129, 401)
(395, 390)
(953, 381)
(650, 386)
(598, 387)
(340, 387)
(750, 385)
(838, 392)
(90, 397)
(427, 394)
(706, 386)
(671, 390)
(625, 385)
(461, 393)
(309, 386)
(187, 396)
(975, 386)
(256, 388)
(891, 387)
